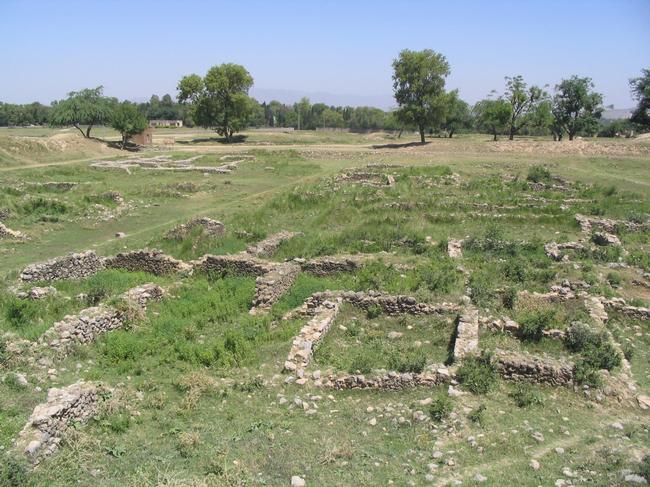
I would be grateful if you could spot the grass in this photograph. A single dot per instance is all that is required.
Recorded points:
(198, 398)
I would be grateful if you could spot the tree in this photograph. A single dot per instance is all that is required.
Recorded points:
(419, 85)
(493, 116)
(457, 114)
(641, 92)
(128, 121)
(332, 118)
(86, 107)
(576, 107)
(524, 102)
(220, 100)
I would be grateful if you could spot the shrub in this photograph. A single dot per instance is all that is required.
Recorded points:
(586, 374)
(526, 395)
(533, 323)
(515, 270)
(373, 311)
(538, 174)
(509, 298)
(20, 313)
(478, 374)
(361, 363)
(438, 279)
(481, 286)
(441, 408)
(477, 415)
(609, 190)
(579, 336)
(644, 468)
(602, 355)
(11, 381)
(13, 473)
(614, 279)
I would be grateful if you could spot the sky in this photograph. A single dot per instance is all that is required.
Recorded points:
(339, 52)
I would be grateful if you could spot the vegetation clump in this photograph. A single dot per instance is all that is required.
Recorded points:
(478, 374)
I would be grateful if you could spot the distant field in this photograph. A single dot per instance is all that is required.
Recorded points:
(199, 396)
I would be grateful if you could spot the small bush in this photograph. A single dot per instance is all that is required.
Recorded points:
(441, 408)
(478, 374)
(525, 395)
(477, 415)
(361, 363)
(509, 298)
(586, 374)
(609, 190)
(373, 311)
(614, 279)
(644, 468)
(20, 313)
(12, 382)
(13, 473)
(579, 336)
(533, 323)
(602, 355)
(538, 174)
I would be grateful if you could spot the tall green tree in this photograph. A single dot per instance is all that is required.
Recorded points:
(419, 86)
(220, 100)
(576, 107)
(524, 102)
(457, 114)
(641, 92)
(128, 121)
(87, 107)
(493, 116)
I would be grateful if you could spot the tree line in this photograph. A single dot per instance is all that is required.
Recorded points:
(220, 101)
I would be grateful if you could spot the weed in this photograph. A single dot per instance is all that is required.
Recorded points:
(538, 174)
(478, 374)
(526, 395)
(441, 408)
(477, 415)
(534, 322)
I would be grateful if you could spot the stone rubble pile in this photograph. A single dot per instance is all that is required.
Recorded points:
(604, 239)
(507, 325)
(466, 341)
(554, 250)
(521, 366)
(611, 226)
(271, 286)
(6, 232)
(145, 260)
(270, 244)
(65, 408)
(619, 304)
(71, 266)
(210, 227)
(455, 248)
(37, 293)
(165, 163)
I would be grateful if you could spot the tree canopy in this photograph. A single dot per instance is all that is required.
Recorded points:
(641, 92)
(128, 121)
(493, 115)
(86, 107)
(576, 107)
(220, 100)
(419, 86)
(524, 102)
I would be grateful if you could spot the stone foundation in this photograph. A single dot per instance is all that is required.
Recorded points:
(554, 250)
(210, 227)
(390, 380)
(325, 266)
(455, 248)
(72, 266)
(6, 232)
(519, 366)
(619, 304)
(270, 244)
(37, 293)
(152, 261)
(65, 408)
(271, 286)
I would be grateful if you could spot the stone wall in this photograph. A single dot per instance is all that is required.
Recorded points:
(92, 322)
(152, 261)
(65, 408)
(210, 227)
(325, 266)
(621, 306)
(391, 305)
(554, 250)
(310, 335)
(455, 248)
(520, 366)
(466, 341)
(236, 264)
(270, 244)
(71, 266)
(272, 285)
(390, 380)
(37, 293)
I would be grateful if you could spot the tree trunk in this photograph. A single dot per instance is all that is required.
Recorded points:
(511, 135)
(421, 134)
(88, 131)
(559, 137)
(79, 129)
(123, 141)
(451, 134)
(495, 136)
(399, 134)
(570, 136)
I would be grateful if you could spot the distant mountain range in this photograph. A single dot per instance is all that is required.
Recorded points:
(617, 113)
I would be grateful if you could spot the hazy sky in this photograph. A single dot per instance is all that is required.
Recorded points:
(341, 48)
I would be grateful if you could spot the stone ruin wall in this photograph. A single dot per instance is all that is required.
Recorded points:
(210, 227)
(519, 366)
(71, 266)
(270, 287)
(237, 264)
(152, 261)
(49, 422)
(270, 244)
